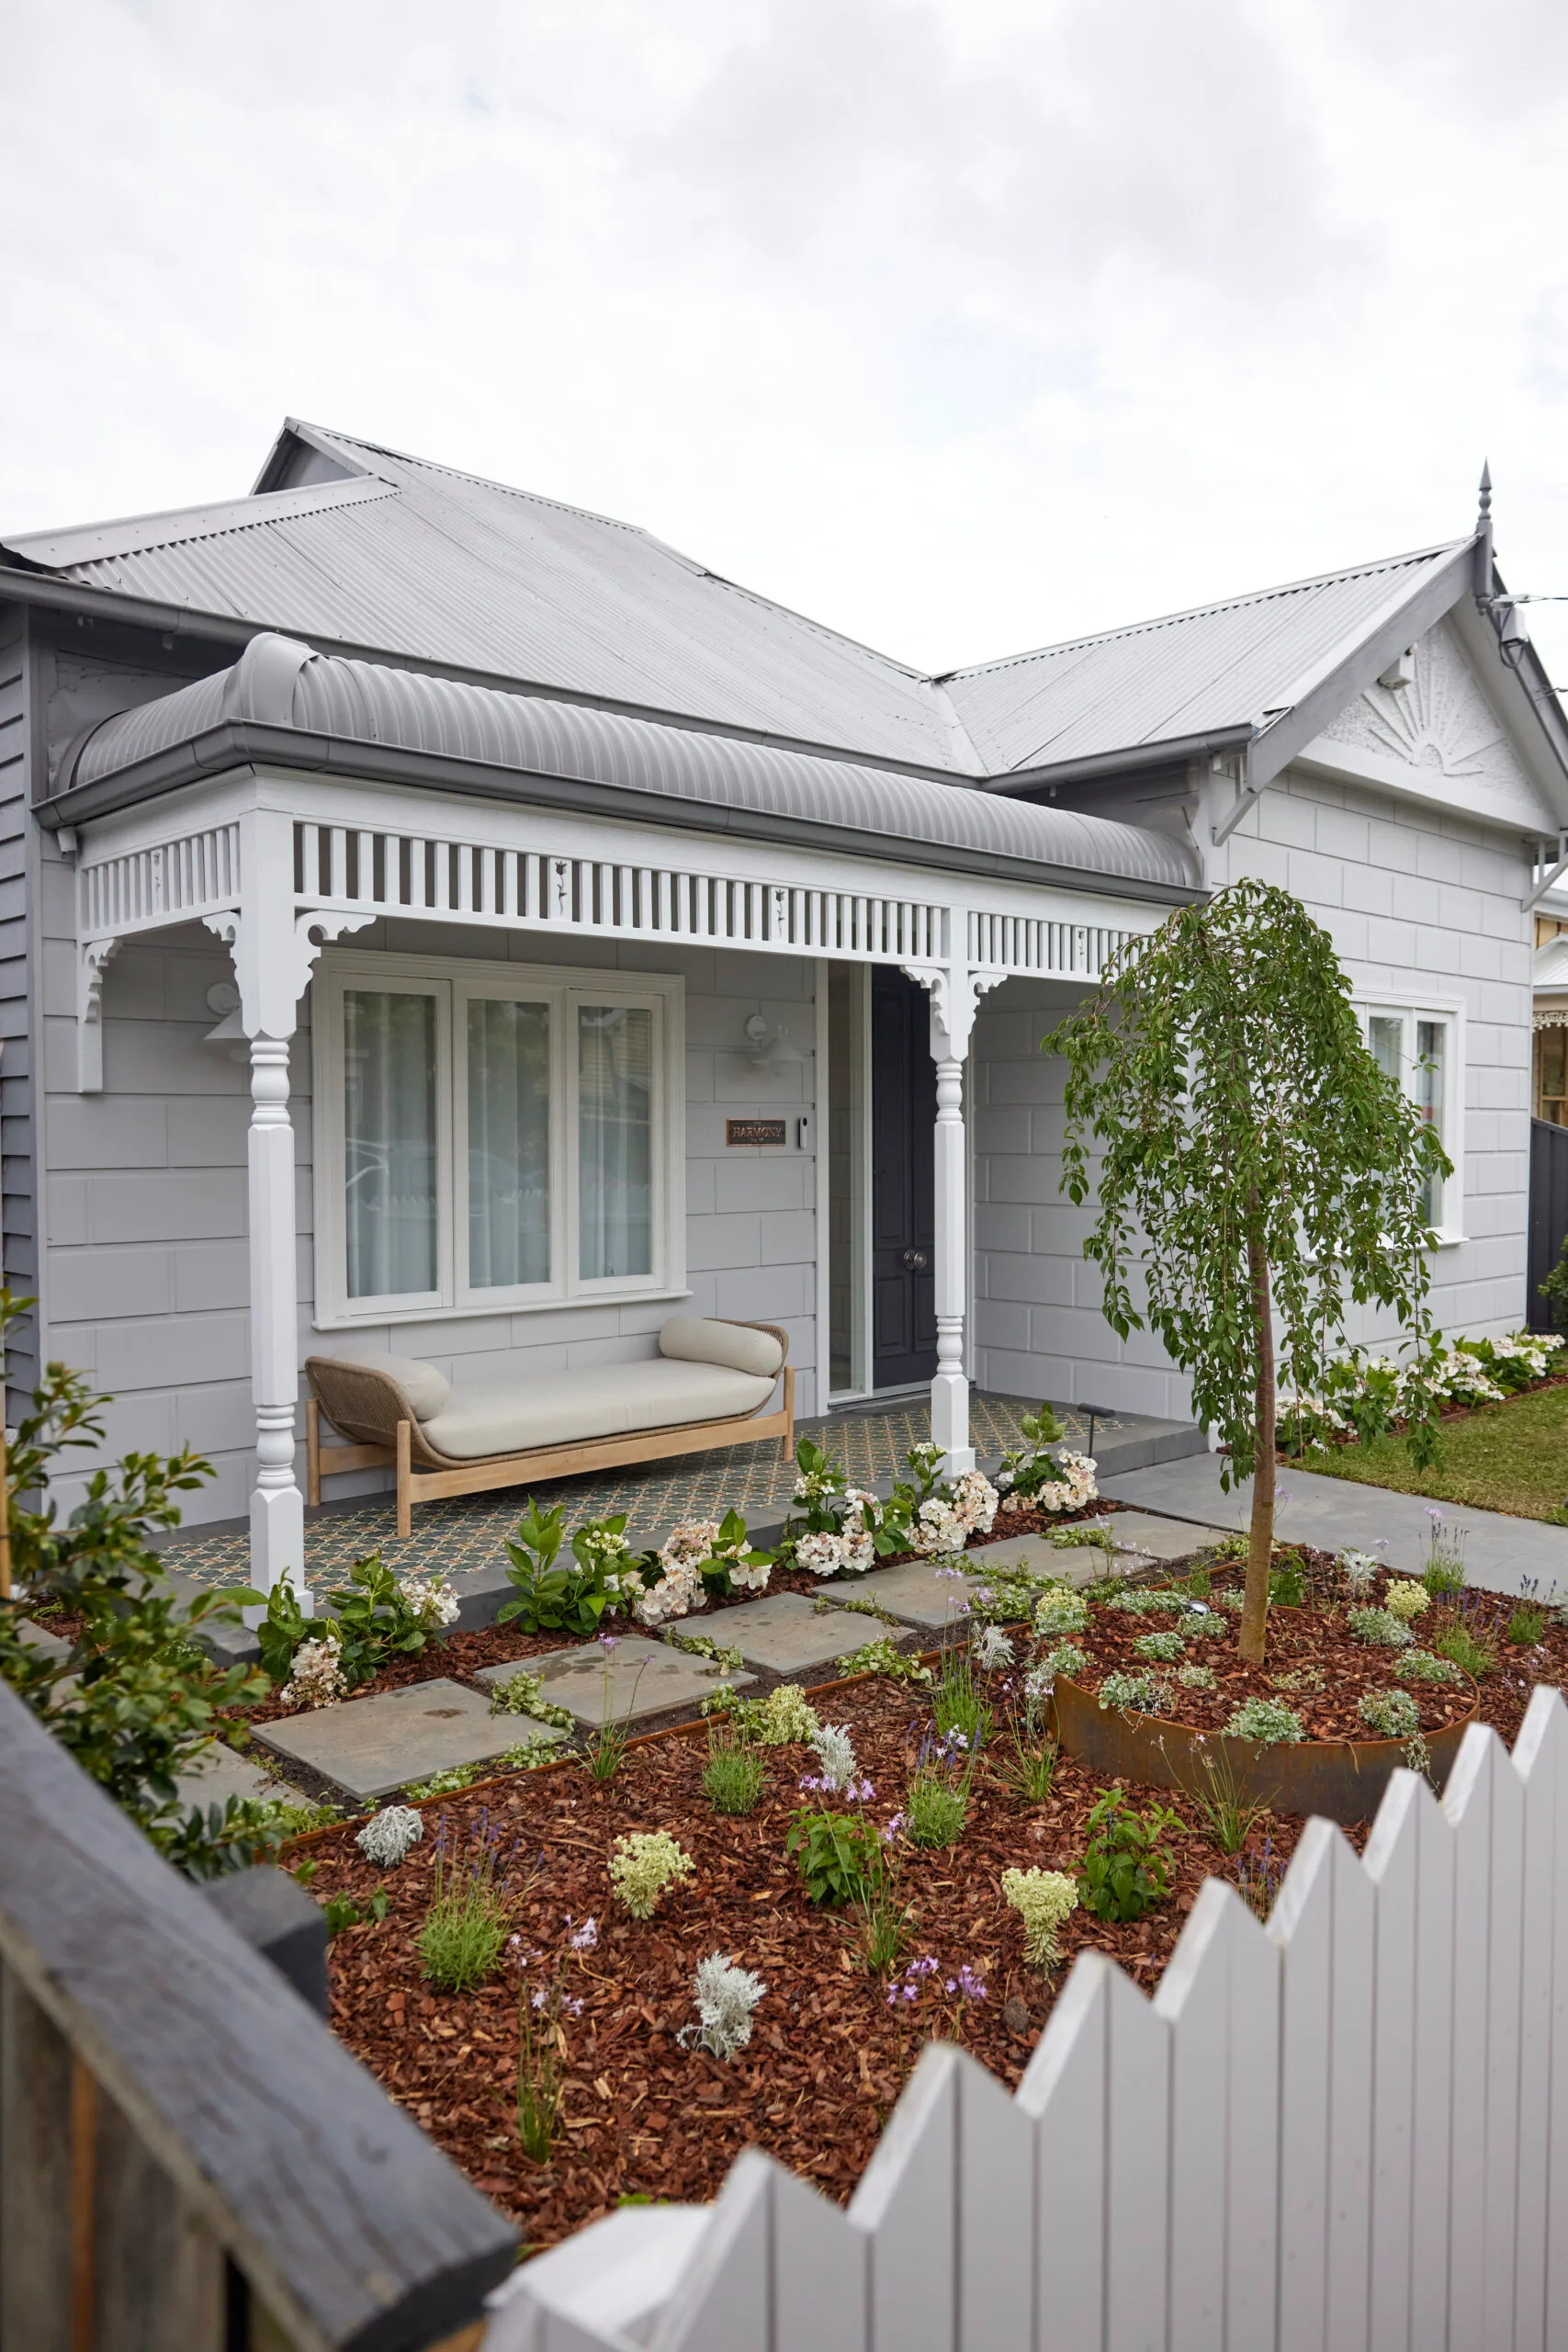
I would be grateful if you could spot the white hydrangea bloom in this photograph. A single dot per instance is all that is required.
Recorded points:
(316, 1678)
(725, 1997)
(431, 1601)
(938, 1530)
(389, 1837)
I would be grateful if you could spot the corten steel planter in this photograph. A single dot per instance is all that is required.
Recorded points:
(1343, 1779)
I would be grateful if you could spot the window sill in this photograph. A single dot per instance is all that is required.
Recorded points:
(381, 1316)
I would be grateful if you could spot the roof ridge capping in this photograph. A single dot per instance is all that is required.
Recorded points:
(57, 551)
(1204, 612)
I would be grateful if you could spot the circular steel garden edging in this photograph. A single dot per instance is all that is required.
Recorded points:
(1343, 1779)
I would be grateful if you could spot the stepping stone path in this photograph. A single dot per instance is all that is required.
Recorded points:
(371, 1746)
(637, 1679)
(1138, 1538)
(787, 1634)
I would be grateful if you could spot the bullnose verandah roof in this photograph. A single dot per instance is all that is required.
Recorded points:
(282, 704)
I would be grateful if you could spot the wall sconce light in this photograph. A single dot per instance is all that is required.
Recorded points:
(223, 997)
(770, 1048)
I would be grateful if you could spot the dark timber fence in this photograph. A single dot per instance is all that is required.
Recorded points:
(190, 2162)
(1548, 1214)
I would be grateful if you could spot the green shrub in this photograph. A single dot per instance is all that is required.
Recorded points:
(551, 1596)
(1526, 1625)
(1134, 1694)
(735, 1775)
(1268, 1722)
(468, 1917)
(837, 1854)
(1161, 1649)
(1380, 1629)
(956, 1704)
(643, 1864)
(136, 1698)
(1288, 1582)
(1420, 1665)
(1393, 1715)
(1461, 1644)
(1125, 1870)
(1197, 1678)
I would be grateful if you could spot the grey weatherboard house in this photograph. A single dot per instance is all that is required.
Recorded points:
(409, 880)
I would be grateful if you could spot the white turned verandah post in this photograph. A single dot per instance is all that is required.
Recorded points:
(955, 991)
(275, 946)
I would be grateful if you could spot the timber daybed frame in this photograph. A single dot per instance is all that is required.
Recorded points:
(371, 1399)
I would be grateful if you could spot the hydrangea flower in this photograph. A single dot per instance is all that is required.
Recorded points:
(430, 1602)
(316, 1677)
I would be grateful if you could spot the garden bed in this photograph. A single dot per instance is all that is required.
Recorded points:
(642, 2115)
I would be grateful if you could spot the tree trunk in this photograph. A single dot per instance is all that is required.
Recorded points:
(1255, 1609)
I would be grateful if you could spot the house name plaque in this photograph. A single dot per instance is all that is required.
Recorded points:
(753, 1131)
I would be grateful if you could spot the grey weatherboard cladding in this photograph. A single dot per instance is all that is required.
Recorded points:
(307, 709)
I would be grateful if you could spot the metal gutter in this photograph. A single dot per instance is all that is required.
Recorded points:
(1170, 753)
(248, 743)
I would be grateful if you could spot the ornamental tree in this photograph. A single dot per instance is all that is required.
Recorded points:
(1255, 1173)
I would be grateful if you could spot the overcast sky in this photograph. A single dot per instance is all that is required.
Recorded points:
(960, 324)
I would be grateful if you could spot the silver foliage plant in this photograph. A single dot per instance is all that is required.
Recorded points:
(726, 1995)
(390, 1837)
(834, 1751)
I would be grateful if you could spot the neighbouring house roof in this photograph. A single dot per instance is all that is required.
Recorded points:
(1550, 984)
(358, 549)
(283, 704)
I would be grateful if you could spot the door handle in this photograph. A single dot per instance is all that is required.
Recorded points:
(915, 1261)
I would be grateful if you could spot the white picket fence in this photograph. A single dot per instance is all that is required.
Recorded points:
(1346, 2131)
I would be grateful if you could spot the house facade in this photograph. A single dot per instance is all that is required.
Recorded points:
(443, 923)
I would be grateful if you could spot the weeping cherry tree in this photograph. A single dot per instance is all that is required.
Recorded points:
(1255, 1173)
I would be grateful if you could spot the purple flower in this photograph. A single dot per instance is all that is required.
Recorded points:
(968, 1984)
(540, 1997)
(587, 1936)
(605, 1641)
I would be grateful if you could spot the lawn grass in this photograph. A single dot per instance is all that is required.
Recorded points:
(1511, 1457)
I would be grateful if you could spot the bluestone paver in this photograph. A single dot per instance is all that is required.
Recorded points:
(219, 1774)
(371, 1746)
(788, 1634)
(1501, 1553)
(635, 1680)
(920, 1593)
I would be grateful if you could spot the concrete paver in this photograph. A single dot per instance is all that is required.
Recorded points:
(370, 1747)
(637, 1679)
(1501, 1553)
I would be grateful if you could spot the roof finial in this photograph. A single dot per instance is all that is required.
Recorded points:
(1483, 542)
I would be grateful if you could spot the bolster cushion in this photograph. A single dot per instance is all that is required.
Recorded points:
(697, 1339)
(425, 1388)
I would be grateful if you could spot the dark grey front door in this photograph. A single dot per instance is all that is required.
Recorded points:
(903, 1235)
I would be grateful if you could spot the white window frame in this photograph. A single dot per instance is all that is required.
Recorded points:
(1406, 1007)
(452, 980)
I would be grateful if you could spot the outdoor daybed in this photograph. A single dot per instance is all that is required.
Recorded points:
(708, 1386)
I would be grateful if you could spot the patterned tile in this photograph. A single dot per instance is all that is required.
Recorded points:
(468, 1532)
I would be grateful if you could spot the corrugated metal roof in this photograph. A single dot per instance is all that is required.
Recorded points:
(279, 684)
(1220, 667)
(470, 575)
(429, 565)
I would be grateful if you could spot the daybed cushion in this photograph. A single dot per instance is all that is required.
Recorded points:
(607, 1400)
(697, 1339)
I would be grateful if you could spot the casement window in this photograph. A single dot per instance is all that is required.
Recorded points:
(1420, 1047)
(492, 1136)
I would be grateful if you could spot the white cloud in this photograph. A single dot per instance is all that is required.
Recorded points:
(960, 323)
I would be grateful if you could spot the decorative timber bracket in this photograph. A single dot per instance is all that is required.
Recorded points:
(955, 990)
(275, 954)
